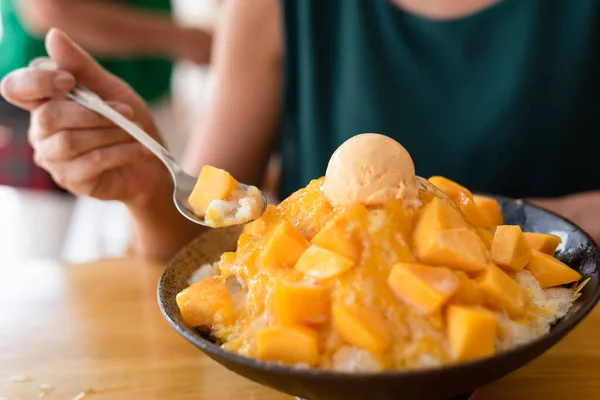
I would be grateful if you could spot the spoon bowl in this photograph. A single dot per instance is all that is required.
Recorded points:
(183, 182)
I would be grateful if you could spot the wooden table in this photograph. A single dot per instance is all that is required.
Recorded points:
(96, 329)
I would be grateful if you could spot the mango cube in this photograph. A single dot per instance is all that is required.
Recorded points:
(321, 263)
(259, 226)
(301, 304)
(471, 332)
(468, 291)
(491, 208)
(501, 292)
(437, 215)
(427, 288)
(338, 234)
(460, 249)
(450, 188)
(510, 248)
(213, 184)
(362, 327)
(543, 242)
(487, 237)
(284, 246)
(549, 271)
(205, 303)
(288, 344)
(472, 212)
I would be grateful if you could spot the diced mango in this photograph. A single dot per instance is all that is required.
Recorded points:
(288, 344)
(259, 226)
(436, 215)
(549, 271)
(491, 208)
(501, 292)
(362, 327)
(213, 184)
(471, 332)
(487, 237)
(243, 240)
(424, 287)
(510, 248)
(309, 208)
(284, 246)
(459, 248)
(450, 188)
(543, 242)
(339, 234)
(321, 263)
(228, 257)
(468, 291)
(205, 303)
(301, 304)
(472, 212)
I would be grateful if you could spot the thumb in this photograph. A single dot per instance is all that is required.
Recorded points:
(72, 58)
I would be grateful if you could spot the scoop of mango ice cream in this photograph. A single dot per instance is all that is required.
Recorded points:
(370, 169)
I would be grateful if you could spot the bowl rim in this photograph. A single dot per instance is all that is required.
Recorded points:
(553, 336)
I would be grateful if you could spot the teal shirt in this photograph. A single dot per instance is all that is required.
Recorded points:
(150, 77)
(505, 101)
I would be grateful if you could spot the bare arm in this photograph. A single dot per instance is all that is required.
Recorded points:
(110, 29)
(239, 125)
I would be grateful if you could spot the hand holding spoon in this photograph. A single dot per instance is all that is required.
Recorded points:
(184, 183)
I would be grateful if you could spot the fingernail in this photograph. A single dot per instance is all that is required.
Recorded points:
(64, 82)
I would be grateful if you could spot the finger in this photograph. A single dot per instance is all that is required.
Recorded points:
(71, 57)
(62, 115)
(28, 87)
(88, 167)
(68, 145)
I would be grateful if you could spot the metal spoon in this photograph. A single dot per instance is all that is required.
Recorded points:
(184, 183)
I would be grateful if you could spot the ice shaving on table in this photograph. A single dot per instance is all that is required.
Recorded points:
(372, 268)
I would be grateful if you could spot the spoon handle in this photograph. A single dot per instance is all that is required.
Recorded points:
(92, 101)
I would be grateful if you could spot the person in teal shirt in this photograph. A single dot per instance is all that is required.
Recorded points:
(499, 95)
(137, 40)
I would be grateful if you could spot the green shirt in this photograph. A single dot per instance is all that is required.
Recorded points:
(504, 101)
(150, 77)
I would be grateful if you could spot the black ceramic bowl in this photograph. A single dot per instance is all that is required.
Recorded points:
(578, 251)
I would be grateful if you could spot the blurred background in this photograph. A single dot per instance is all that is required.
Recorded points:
(36, 219)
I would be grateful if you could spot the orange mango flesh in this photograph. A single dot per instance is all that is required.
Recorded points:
(450, 188)
(471, 332)
(468, 292)
(259, 227)
(424, 287)
(549, 271)
(205, 303)
(460, 249)
(288, 344)
(213, 184)
(340, 234)
(510, 248)
(501, 292)
(491, 208)
(319, 279)
(317, 262)
(362, 327)
(301, 304)
(487, 237)
(284, 247)
(474, 214)
(543, 242)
